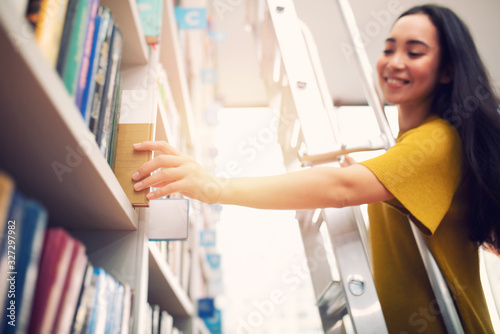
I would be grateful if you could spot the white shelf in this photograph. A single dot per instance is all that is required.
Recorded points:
(164, 288)
(126, 16)
(46, 145)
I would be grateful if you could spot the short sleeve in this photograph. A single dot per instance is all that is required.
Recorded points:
(422, 171)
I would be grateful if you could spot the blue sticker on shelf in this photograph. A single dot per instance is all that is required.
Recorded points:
(206, 307)
(214, 324)
(191, 18)
(213, 260)
(207, 238)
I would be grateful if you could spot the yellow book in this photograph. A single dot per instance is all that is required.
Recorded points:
(136, 125)
(49, 28)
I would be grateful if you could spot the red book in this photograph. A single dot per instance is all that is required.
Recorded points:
(71, 290)
(56, 259)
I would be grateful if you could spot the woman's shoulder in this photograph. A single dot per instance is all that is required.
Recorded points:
(434, 128)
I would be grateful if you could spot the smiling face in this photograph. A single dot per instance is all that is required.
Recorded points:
(408, 69)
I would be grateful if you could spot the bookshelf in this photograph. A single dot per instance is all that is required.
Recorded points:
(52, 156)
(42, 131)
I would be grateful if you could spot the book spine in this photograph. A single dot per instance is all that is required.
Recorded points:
(75, 47)
(114, 61)
(30, 248)
(49, 28)
(93, 61)
(135, 126)
(69, 23)
(102, 67)
(87, 51)
(116, 117)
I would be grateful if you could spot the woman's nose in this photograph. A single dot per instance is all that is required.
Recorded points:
(397, 61)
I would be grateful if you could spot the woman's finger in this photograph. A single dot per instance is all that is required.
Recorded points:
(161, 146)
(170, 188)
(162, 161)
(159, 179)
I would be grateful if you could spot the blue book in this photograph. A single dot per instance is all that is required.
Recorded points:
(8, 255)
(32, 231)
(87, 52)
(98, 317)
(89, 87)
(100, 68)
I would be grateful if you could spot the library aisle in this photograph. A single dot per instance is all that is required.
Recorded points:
(267, 288)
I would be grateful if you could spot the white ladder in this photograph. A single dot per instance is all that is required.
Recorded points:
(295, 79)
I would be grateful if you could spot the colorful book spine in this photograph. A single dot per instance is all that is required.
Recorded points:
(31, 231)
(49, 28)
(105, 114)
(56, 258)
(74, 52)
(136, 125)
(87, 52)
(114, 127)
(105, 34)
(70, 290)
(150, 13)
(8, 250)
(93, 62)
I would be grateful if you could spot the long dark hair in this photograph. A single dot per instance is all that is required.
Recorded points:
(469, 103)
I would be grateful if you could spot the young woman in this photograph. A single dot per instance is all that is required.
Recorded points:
(444, 173)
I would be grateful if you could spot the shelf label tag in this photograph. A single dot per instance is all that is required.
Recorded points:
(168, 219)
(191, 18)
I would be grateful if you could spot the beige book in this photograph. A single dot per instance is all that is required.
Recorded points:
(135, 125)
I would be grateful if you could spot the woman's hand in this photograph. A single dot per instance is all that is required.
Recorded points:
(347, 161)
(177, 172)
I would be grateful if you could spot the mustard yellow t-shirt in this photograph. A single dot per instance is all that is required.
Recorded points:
(423, 172)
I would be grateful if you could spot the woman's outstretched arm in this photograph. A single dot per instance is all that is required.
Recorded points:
(305, 189)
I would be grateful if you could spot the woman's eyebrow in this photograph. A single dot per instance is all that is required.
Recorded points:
(411, 41)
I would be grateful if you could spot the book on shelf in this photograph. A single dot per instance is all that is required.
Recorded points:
(150, 13)
(104, 40)
(56, 258)
(166, 323)
(155, 319)
(81, 320)
(81, 82)
(185, 270)
(70, 291)
(105, 113)
(136, 124)
(114, 125)
(30, 233)
(72, 43)
(127, 310)
(48, 17)
(6, 192)
(7, 253)
(102, 22)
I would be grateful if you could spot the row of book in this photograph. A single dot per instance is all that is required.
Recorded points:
(81, 40)
(47, 284)
(159, 321)
(177, 255)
